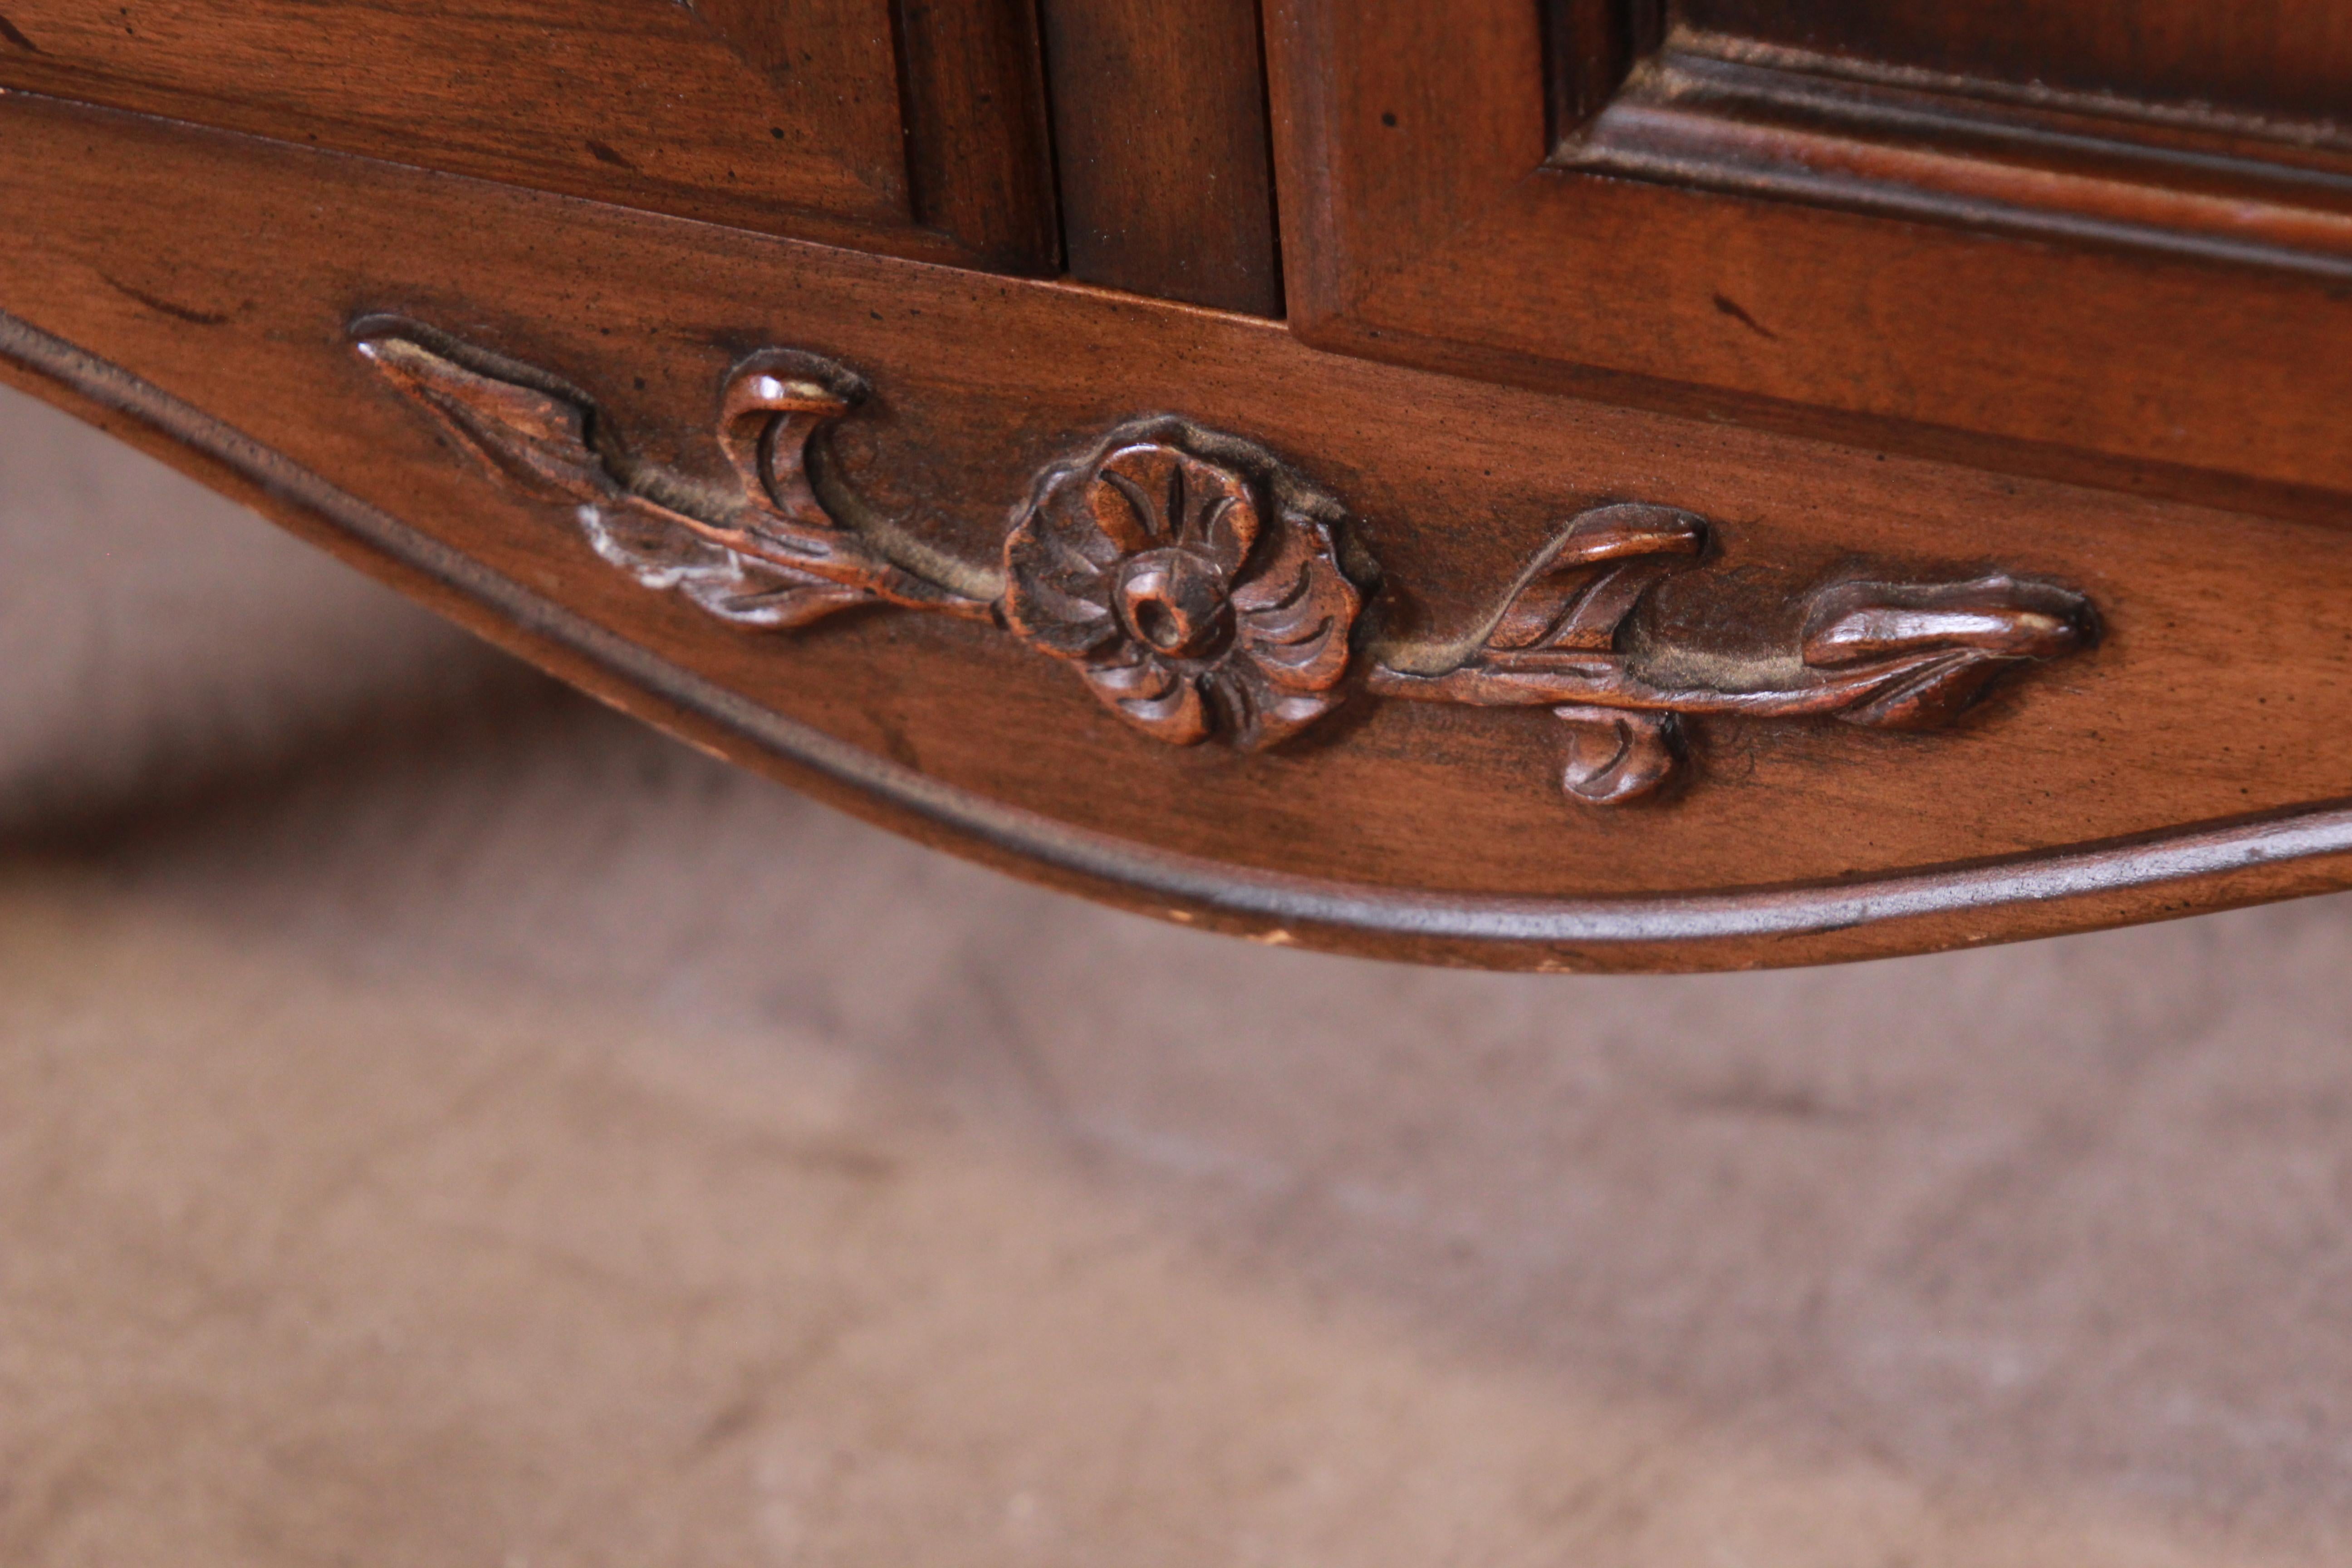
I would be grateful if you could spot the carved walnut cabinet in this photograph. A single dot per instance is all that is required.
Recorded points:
(1546, 483)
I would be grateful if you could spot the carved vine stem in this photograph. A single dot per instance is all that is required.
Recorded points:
(1201, 588)
(1568, 636)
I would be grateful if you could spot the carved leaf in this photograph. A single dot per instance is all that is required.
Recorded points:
(1938, 644)
(1907, 656)
(772, 555)
(760, 596)
(1998, 615)
(1580, 587)
(1615, 754)
(661, 553)
(538, 436)
(770, 408)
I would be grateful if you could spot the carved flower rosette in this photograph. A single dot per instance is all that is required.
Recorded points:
(1197, 589)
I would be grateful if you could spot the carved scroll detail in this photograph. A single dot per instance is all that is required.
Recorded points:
(1201, 588)
(1568, 636)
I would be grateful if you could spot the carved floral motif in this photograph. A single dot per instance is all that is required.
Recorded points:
(766, 552)
(1190, 598)
(1197, 585)
(1568, 636)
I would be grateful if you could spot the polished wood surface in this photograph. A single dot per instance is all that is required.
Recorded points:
(733, 111)
(1430, 219)
(2275, 60)
(1592, 630)
(979, 150)
(1736, 122)
(1160, 123)
(1202, 588)
(1587, 484)
(2193, 757)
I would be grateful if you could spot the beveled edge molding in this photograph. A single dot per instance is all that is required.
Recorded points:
(1201, 586)
(1719, 928)
(1714, 112)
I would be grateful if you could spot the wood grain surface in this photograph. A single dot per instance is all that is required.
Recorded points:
(2273, 59)
(2192, 759)
(731, 110)
(980, 155)
(1159, 127)
(1425, 224)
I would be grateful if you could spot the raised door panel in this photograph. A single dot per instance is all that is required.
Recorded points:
(2131, 263)
(787, 117)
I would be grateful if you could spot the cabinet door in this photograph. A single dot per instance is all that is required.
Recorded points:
(2109, 239)
(922, 133)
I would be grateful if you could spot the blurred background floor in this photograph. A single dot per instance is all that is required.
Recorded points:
(443, 1123)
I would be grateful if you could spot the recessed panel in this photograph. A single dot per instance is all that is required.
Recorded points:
(726, 109)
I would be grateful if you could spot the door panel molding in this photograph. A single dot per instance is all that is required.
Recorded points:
(1434, 220)
(1726, 115)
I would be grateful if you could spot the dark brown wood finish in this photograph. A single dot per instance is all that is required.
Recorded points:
(1589, 47)
(1193, 580)
(2149, 301)
(1167, 178)
(979, 149)
(2273, 60)
(1202, 587)
(1580, 633)
(738, 111)
(2193, 758)
(1724, 114)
